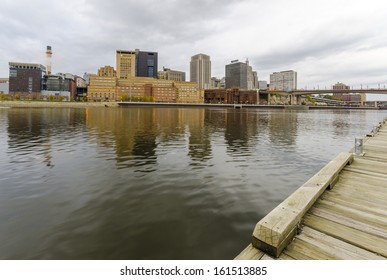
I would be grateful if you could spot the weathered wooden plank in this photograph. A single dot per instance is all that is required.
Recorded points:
(374, 154)
(371, 219)
(364, 226)
(294, 253)
(355, 197)
(302, 250)
(365, 176)
(250, 253)
(375, 148)
(377, 142)
(355, 237)
(372, 180)
(266, 257)
(353, 193)
(357, 203)
(363, 187)
(369, 165)
(273, 233)
(377, 157)
(338, 249)
(284, 256)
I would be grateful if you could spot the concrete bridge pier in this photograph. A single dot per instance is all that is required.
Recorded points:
(295, 99)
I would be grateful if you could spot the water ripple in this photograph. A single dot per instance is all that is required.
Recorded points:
(117, 183)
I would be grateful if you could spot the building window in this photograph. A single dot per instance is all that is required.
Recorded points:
(30, 84)
(12, 73)
(150, 72)
(151, 62)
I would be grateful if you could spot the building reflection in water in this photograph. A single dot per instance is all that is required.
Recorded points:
(283, 128)
(199, 145)
(124, 183)
(31, 131)
(135, 134)
(241, 131)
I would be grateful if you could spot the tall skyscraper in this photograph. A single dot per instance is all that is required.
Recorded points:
(241, 75)
(200, 70)
(136, 64)
(146, 65)
(125, 64)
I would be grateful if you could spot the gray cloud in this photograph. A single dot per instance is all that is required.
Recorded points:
(321, 40)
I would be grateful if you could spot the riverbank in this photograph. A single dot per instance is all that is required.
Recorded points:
(246, 106)
(55, 104)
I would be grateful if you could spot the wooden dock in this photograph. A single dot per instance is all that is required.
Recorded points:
(340, 213)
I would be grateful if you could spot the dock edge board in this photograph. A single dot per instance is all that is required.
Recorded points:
(276, 230)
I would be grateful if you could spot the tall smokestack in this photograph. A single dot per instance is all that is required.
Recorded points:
(49, 55)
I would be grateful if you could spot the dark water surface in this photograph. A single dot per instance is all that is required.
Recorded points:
(155, 183)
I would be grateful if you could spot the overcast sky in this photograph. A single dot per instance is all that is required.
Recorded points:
(324, 41)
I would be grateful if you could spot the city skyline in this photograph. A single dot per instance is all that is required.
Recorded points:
(325, 42)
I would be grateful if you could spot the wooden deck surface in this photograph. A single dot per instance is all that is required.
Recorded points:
(350, 220)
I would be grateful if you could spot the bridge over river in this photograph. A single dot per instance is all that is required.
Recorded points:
(295, 95)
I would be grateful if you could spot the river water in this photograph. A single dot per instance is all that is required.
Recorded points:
(155, 183)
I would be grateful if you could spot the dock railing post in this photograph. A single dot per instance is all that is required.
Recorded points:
(359, 146)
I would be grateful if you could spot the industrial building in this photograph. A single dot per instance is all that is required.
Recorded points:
(60, 86)
(49, 56)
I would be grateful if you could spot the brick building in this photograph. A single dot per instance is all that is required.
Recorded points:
(230, 96)
(25, 80)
